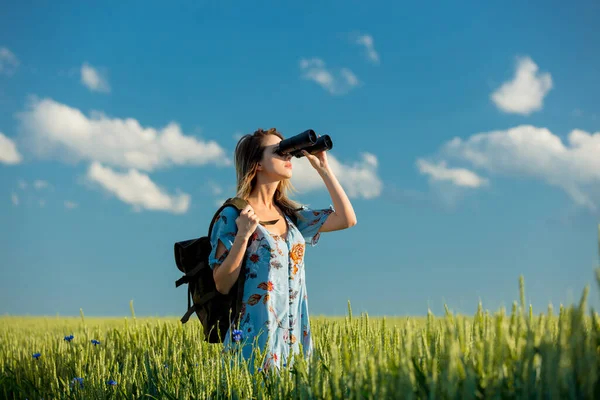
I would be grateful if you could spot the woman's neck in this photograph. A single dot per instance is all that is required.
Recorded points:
(263, 196)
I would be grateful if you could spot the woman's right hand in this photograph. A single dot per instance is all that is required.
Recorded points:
(247, 222)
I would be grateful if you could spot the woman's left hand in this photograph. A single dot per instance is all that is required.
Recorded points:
(318, 160)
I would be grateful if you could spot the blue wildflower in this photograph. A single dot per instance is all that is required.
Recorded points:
(69, 338)
(95, 342)
(75, 380)
(112, 383)
(237, 335)
(36, 355)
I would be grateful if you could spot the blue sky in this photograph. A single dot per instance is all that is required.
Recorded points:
(468, 139)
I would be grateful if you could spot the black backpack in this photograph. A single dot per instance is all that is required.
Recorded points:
(216, 311)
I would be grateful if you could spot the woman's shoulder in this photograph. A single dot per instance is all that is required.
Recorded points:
(230, 211)
(227, 215)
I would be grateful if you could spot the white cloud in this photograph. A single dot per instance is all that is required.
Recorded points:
(367, 41)
(529, 151)
(8, 151)
(349, 77)
(216, 189)
(93, 79)
(525, 93)
(40, 184)
(358, 179)
(137, 189)
(8, 61)
(42, 202)
(219, 202)
(70, 204)
(15, 199)
(22, 184)
(237, 136)
(457, 176)
(336, 83)
(55, 129)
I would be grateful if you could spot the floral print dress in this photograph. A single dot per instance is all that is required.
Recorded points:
(274, 312)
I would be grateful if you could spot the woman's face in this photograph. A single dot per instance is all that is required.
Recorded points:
(272, 164)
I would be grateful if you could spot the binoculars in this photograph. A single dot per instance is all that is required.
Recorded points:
(306, 140)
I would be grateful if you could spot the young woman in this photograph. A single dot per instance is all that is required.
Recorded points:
(275, 303)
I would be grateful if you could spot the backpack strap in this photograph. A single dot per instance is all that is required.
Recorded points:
(186, 277)
(192, 307)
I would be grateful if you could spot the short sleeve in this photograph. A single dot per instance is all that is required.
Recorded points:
(224, 229)
(310, 221)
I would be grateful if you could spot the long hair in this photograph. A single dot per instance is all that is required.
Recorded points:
(248, 152)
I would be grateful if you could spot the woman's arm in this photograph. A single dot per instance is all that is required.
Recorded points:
(227, 273)
(226, 265)
(343, 217)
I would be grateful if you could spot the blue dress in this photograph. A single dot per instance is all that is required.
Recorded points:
(274, 313)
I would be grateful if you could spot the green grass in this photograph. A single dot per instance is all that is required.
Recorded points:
(506, 354)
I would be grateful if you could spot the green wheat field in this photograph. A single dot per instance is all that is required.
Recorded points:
(507, 354)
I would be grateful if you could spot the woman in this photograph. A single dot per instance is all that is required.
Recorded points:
(274, 312)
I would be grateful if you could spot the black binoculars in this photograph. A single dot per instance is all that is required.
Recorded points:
(306, 140)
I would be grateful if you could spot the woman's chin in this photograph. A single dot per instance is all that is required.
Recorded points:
(287, 174)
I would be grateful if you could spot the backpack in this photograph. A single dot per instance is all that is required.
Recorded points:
(216, 311)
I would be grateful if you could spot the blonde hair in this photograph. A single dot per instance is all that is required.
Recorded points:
(248, 153)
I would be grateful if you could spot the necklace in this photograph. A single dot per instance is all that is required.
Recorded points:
(272, 222)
